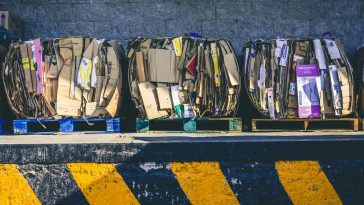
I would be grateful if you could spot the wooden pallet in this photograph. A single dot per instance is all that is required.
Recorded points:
(189, 125)
(340, 124)
(361, 124)
(68, 125)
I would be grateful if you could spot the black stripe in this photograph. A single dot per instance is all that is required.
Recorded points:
(255, 183)
(152, 183)
(53, 184)
(347, 178)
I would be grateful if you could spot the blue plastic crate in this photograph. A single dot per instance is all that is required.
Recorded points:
(67, 125)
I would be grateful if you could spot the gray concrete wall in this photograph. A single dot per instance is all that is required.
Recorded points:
(183, 169)
(236, 20)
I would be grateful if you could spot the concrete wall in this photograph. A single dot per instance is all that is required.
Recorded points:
(236, 20)
(281, 182)
(181, 170)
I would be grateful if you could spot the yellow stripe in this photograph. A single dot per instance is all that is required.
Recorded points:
(101, 183)
(14, 188)
(204, 183)
(306, 183)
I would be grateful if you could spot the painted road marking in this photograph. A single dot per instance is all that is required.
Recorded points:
(306, 183)
(101, 183)
(14, 188)
(203, 183)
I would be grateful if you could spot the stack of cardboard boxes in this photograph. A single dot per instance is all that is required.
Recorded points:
(183, 77)
(299, 78)
(71, 77)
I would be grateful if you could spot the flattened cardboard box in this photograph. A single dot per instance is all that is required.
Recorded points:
(150, 104)
(140, 67)
(162, 64)
(28, 66)
(164, 97)
(67, 104)
(32, 69)
(232, 69)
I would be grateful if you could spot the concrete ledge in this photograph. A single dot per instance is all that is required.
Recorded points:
(119, 148)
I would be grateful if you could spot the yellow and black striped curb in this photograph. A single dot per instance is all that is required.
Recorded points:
(281, 182)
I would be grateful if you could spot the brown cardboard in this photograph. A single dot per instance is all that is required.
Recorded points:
(113, 76)
(11, 22)
(162, 66)
(130, 53)
(84, 71)
(54, 89)
(346, 107)
(50, 111)
(200, 86)
(164, 97)
(208, 63)
(252, 72)
(140, 67)
(301, 48)
(47, 91)
(150, 105)
(59, 61)
(51, 78)
(347, 103)
(346, 95)
(51, 69)
(113, 106)
(65, 75)
(292, 102)
(182, 59)
(89, 52)
(24, 56)
(343, 76)
(231, 67)
(90, 108)
(345, 90)
(326, 108)
(67, 109)
(115, 102)
(95, 46)
(67, 104)
(99, 85)
(189, 76)
(26, 66)
(77, 46)
(291, 112)
(32, 69)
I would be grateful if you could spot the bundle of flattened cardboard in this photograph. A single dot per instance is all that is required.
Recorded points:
(183, 77)
(71, 77)
(299, 78)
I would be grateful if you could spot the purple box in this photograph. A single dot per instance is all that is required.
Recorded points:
(308, 95)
